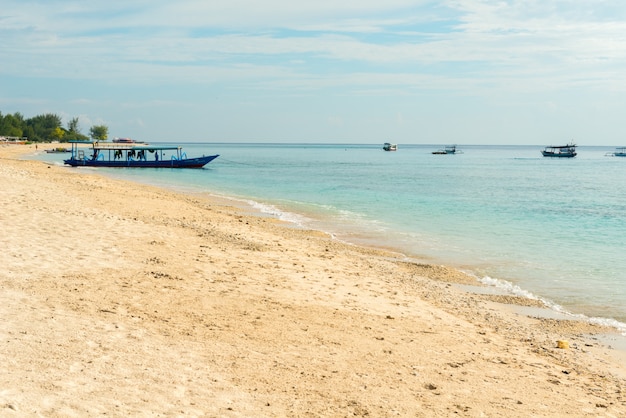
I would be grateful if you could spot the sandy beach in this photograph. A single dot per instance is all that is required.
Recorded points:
(120, 299)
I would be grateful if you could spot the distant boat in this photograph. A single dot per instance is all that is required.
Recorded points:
(126, 141)
(560, 151)
(13, 140)
(390, 147)
(450, 149)
(58, 150)
(619, 152)
(132, 155)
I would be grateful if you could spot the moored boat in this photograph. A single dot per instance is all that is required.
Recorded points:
(450, 149)
(387, 146)
(619, 152)
(126, 141)
(104, 154)
(58, 150)
(560, 151)
(16, 140)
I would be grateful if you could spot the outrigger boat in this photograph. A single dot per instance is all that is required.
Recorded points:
(58, 150)
(619, 152)
(560, 151)
(450, 149)
(126, 141)
(105, 154)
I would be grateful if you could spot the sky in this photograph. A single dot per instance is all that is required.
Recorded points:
(323, 71)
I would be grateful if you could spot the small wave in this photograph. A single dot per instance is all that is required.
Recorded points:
(513, 289)
(609, 322)
(509, 288)
(273, 211)
(265, 209)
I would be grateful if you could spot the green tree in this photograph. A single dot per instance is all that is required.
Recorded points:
(57, 134)
(12, 125)
(28, 132)
(72, 126)
(73, 131)
(99, 132)
(44, 126)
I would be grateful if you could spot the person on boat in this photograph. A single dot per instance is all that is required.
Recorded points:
(156, 156)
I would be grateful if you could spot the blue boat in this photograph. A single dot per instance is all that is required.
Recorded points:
(560, 151)
(106, 154)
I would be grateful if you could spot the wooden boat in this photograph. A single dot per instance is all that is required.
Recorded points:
(15, 140)
(390, 147)
(126, 141)
(58, 150)
(450, 149)
(560, 151)
(104, 154)
(619, 152)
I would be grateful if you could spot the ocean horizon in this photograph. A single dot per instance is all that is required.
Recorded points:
(544, 228)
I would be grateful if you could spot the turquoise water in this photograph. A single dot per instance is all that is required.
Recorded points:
(548, 228)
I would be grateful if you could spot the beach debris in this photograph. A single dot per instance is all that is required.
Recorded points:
(562, 344)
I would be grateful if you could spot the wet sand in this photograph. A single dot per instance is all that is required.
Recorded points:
(121, 299)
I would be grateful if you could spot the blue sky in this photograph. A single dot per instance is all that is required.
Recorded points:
(366, 71)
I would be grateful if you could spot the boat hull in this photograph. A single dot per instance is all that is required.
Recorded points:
(620, 152)
(173, 163)
(558, 154)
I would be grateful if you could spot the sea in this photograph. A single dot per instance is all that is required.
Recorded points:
(552, 229)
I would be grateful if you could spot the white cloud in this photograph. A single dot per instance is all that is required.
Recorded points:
(397, 48)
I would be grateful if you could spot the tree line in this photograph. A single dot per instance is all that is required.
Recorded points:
(48, 127)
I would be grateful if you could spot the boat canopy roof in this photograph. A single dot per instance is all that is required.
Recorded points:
(572, 145)
(125, 146)
(560, 147)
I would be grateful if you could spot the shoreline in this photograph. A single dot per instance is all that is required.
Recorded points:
(520, 281)
(481, 286)
(133, 299)
(548, 308)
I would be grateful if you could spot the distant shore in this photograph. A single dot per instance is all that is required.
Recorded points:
(127, 299)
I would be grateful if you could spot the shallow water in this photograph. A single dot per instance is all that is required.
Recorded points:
(550, 228)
